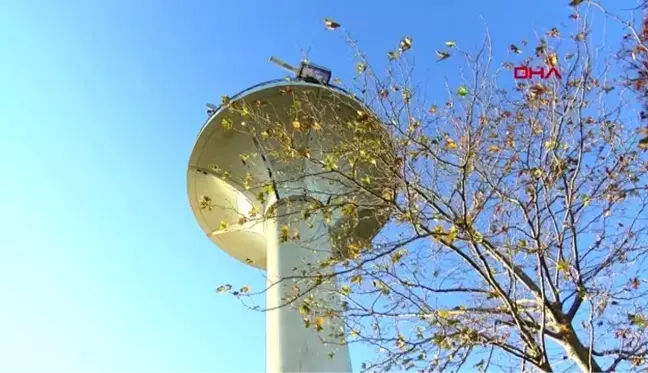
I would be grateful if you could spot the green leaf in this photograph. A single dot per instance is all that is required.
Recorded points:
(284, 233)
(268, 188)
(462, 91)
(330, 163)
(304, 309)
(638, 320)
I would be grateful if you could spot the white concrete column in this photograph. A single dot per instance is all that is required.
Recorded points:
(290, 346)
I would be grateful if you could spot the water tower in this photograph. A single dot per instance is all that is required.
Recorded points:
(222, 204)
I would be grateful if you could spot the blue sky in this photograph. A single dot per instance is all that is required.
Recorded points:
(102, 267)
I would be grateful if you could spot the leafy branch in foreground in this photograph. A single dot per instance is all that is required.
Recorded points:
(516, 231)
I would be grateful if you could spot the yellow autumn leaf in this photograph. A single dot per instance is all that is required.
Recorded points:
(405, 44)
(245, 111)
(348, 209)
(554, 32)
(362, 115)
(643, 143)
(562, 266)
(247, 181)
(204, 202)
(319, 323)
(400, 342)
(397, 256)
(452, 234)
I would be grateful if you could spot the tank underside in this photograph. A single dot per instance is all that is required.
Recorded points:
(227, 153)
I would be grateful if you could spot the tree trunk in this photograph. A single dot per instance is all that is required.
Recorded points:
(579, 353)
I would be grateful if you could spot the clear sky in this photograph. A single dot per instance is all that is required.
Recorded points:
(102, 266)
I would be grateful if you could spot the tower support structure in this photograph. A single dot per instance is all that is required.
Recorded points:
(222, 204)
(290, 345)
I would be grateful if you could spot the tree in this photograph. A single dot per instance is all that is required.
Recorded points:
(516, 210)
